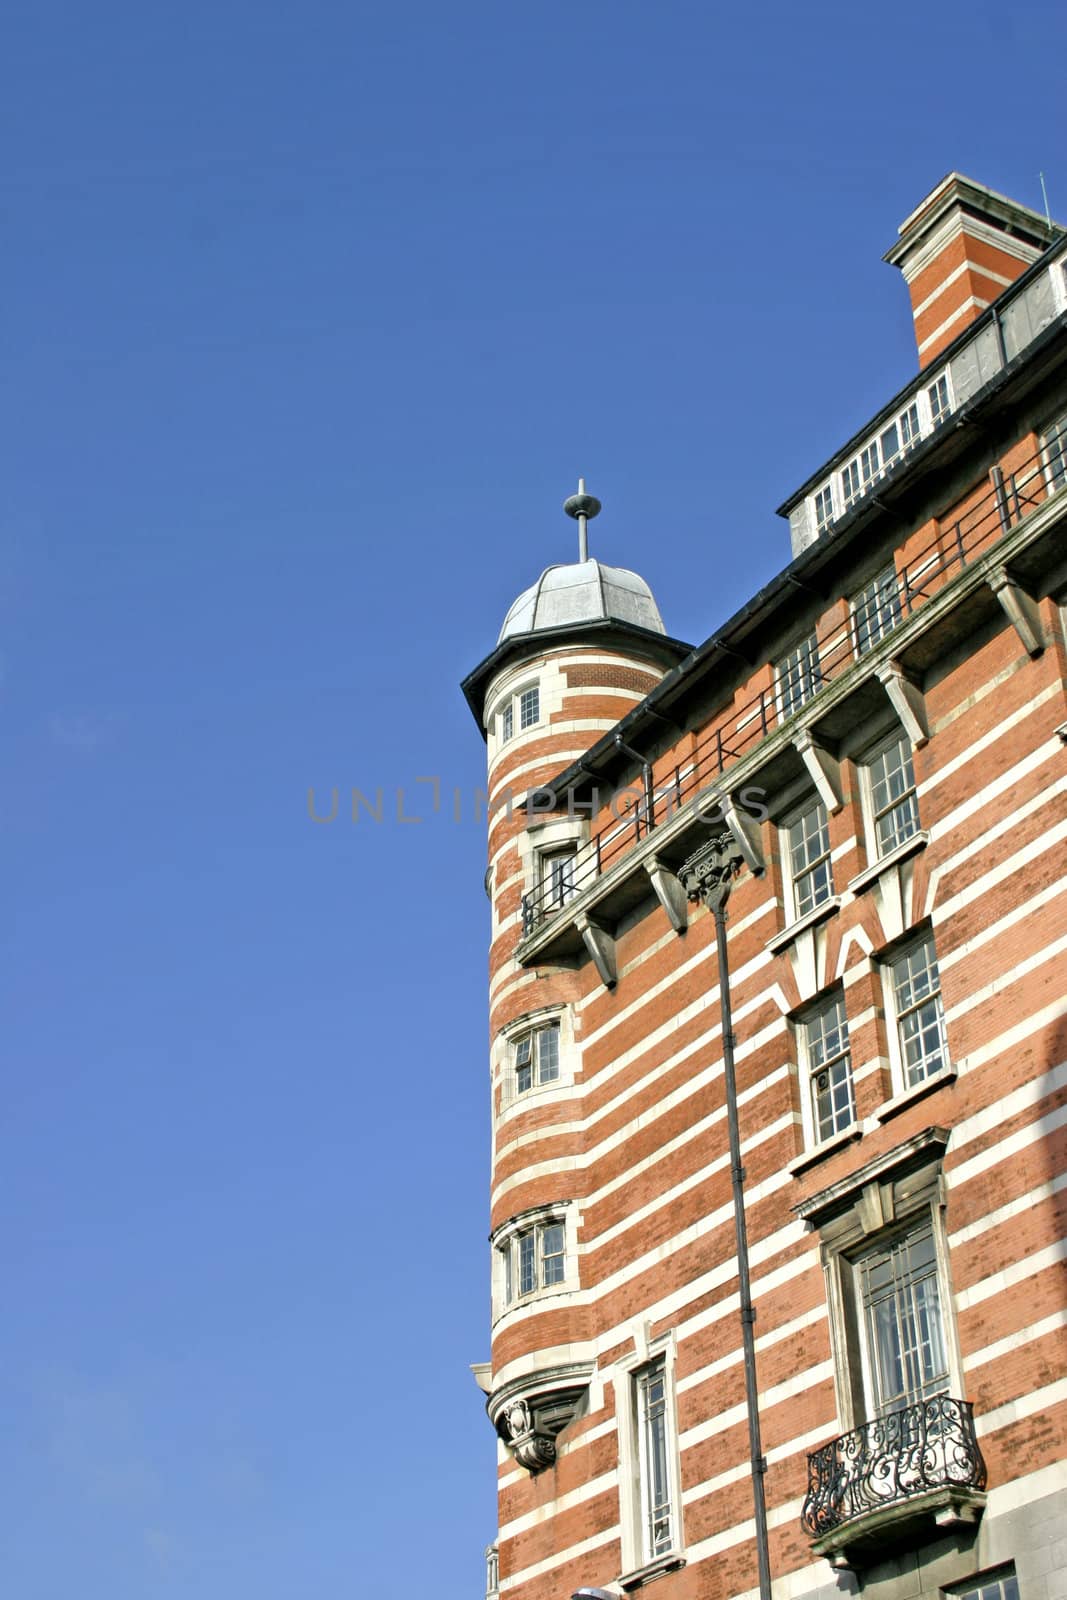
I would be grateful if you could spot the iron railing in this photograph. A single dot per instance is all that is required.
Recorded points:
(927, 1446)
(638, 810)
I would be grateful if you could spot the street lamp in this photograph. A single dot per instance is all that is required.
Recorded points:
(708, 875)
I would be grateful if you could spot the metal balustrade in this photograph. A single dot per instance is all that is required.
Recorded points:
(924, 1447)
(957, 542)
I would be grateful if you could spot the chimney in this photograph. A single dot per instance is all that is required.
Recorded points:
(959, 249)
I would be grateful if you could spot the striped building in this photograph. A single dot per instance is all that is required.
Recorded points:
(836, 1358)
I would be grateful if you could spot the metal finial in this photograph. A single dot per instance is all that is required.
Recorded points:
(582, 506)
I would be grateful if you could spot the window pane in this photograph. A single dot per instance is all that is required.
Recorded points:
(903, 1319)
(655, 1468)
(809, 859)
(529, 707)
(920, 1017)
(507, 723)
(876, 610)
(893, 799)
(523, 1065)
(560, 874)
(798, 675)
(830, 1065)
(527, 1263)
(553, 1256)
(938, 393)
(548, 1054)
(909, 427)
(1055, 440)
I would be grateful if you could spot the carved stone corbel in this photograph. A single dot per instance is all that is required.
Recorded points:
(746, 831)
(708, 874)
(532, 1449)
(669, 893)
(600, 944)
(1020, 609)
(530, 1412)
(824, 769)
(907, 701)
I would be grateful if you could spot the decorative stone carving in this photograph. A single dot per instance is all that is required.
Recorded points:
(709, 872)
(529, 1413)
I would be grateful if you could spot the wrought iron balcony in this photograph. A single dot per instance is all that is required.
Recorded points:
(923, 1457)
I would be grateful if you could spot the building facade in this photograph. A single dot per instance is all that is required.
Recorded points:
(778, 1296)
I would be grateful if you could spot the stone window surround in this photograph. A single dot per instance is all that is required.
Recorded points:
(504, 1057)
(502, 1238)
(903, 1091)
(850, 1216)
(638, 1567)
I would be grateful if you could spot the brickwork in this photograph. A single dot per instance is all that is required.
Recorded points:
(632, 1132)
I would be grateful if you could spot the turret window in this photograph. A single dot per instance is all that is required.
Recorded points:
(518, 711)
(529, 707)
(536, 1057)
(532, 1253)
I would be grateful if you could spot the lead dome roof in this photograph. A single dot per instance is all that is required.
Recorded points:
(582, 591)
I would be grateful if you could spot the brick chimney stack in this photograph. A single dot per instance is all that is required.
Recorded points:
(960, 248)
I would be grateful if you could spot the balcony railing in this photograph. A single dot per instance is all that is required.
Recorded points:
(957, 542)
(925, 1447)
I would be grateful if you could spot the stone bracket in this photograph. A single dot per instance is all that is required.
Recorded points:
(907, 701)
(1020, 609)
(600, 944)
(745, 830)
(669, 893)
(531, 1412)
(824, 769)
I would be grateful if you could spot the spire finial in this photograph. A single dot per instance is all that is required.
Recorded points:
(582, 506)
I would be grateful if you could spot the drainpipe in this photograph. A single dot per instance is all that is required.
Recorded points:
(646, 769)
(708, 875)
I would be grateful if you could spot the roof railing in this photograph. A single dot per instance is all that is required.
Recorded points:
(736, 731)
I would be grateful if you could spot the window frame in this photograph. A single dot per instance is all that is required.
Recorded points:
(509, 718)
(823, 508)
(792, 877)
(897, 1191)
(898, 1014)
(534, 1037)
(868, 609)
(521, 1243)
(907, 1309)
(940, 408)
(557, 861)
(504, 1077)
(639, 1560)
(873, 812)
(1053, 438)
(812, 1066)
(797, 684)
(1003, 1578)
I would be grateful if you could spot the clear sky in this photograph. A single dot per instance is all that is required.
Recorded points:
(312, 315)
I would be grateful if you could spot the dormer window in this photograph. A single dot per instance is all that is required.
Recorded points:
(940, 399)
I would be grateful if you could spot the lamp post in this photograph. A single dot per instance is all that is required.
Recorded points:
(708, 875)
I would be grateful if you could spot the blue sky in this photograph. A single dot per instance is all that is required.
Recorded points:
(313, 316)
